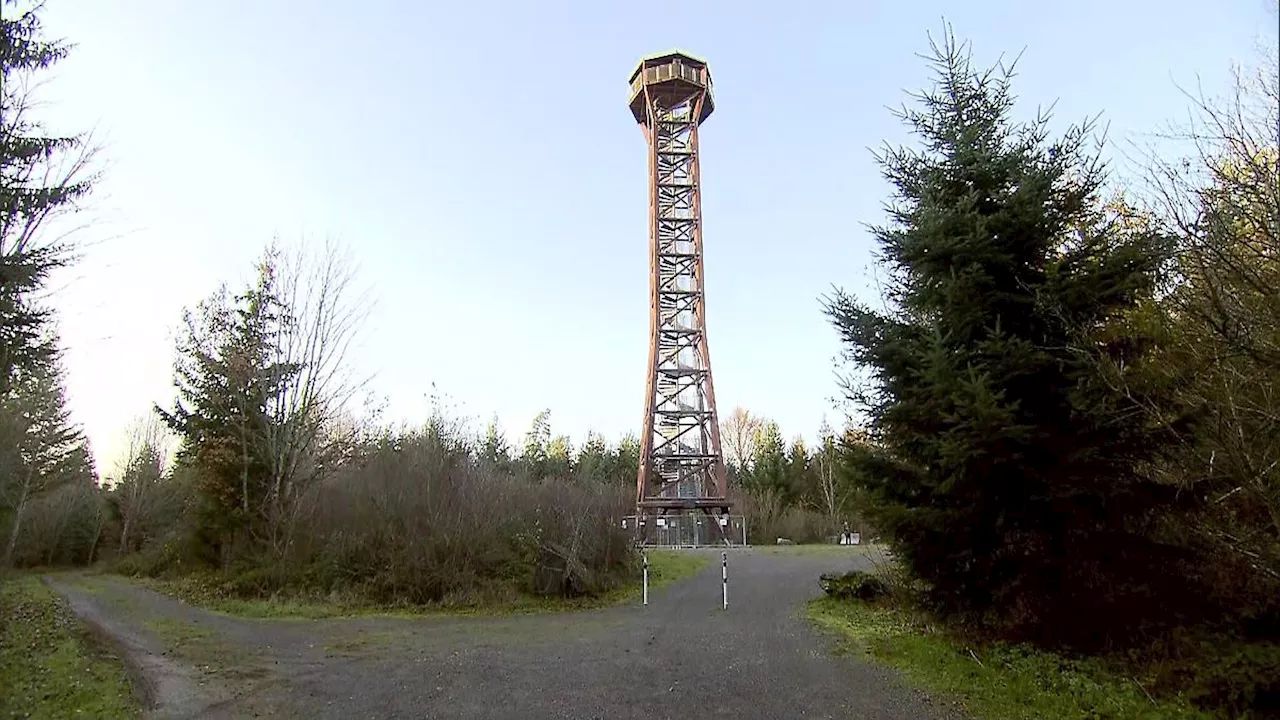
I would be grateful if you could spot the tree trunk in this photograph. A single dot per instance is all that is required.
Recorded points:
(97, 534)
(17, 522)
(124, 533)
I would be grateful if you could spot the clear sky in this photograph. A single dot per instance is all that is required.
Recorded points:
(480, 161)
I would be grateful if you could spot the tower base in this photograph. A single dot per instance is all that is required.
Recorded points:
(687, 527)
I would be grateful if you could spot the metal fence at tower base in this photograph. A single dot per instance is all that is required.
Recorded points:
(687, 529)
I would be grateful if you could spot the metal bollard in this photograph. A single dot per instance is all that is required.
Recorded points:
(646, 578)
(724, 580)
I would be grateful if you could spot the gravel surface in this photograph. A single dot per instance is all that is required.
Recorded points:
(682, 656)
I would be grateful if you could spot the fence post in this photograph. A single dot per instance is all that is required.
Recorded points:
(646, 577)
(724, 580)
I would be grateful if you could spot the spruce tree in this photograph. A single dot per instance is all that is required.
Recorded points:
(768, 466)
(42, 176)
(41, 450)
(799, 478)
(594, 460)
(226, 374)
(628, 458)
(1007, 471)
(495, 454)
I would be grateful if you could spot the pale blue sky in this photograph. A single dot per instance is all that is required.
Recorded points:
(480, 161)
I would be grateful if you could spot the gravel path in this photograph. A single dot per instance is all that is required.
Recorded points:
(682, 656)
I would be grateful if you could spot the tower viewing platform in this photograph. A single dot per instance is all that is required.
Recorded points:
(670, 78)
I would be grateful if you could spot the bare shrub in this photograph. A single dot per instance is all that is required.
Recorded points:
(142, 494)
(769, 517)
(417, 517)
(63, 527)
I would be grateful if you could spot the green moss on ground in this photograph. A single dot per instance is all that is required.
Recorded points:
(1000, 681)
(204, 590)
(52, 667)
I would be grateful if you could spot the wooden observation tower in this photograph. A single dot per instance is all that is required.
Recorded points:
(682, 469)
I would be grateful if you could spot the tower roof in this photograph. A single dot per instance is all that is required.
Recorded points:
(665, 57)
(673, 75)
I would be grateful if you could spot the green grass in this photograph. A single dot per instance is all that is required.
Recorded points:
(994, 681)
(665, 567)
(52, 668)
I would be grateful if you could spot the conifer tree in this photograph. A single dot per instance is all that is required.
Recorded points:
(628, 458)
(768, 464)
(1008, 472)
(594, 460)
(494, 450)
(42, 176)
(225, 375)
(799, 485)
(40, 448)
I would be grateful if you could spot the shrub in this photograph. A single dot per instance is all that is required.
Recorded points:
(414, 517)
(769, 518)
(854, 585)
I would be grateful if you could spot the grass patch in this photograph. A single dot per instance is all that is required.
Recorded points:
(669, 566)
(203, 590)
(1000, 681)
(53, 668)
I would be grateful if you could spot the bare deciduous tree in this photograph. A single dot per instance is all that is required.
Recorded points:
(308, 437)
(739, 432)
(140, 475)
(825, 463)
(1223, 199)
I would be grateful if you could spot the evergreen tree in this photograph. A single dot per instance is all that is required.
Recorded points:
(537, 446)
(559, 455)
(628, 459)
(494, 450)
(41, 177)
(226, 376)
(1009, 474)
(594, 460)
(40, 449)
(768, 464)
(798, 479)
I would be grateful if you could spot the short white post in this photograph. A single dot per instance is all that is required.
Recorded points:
(646, 578)
(724, 581)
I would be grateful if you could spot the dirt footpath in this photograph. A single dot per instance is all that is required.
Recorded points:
(682, 656)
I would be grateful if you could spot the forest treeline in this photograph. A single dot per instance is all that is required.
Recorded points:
(1068, 403)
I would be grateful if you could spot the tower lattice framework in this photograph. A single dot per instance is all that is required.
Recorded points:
(681, 465)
